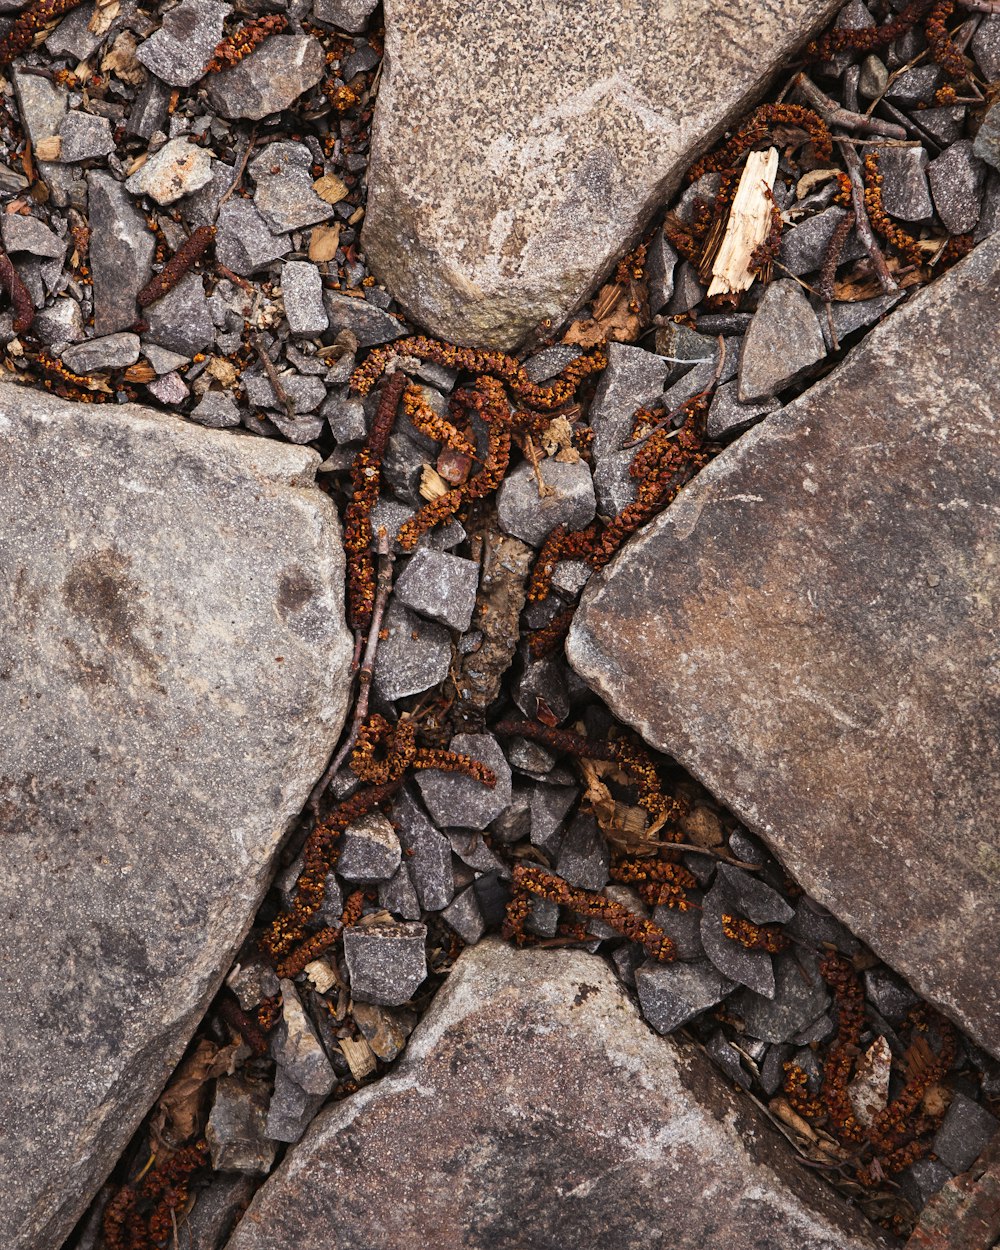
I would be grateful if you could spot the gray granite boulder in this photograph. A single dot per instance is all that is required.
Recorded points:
(547, 136)
(534, 1108)
(811, 629)
(174, 676)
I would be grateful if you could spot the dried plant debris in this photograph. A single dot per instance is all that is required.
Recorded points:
(182, 228)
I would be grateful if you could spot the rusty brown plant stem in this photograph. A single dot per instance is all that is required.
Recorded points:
(834, 115)
(861, 222)
(280, 394)
(383, 588)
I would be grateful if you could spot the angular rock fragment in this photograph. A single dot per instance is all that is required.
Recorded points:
(485, 233)
(531, 512)
(463, 915)
(957, 185)
(428, 853)
(671, 994)
(728, 416)
(137, 828)
(804, 247)
(176, 170)
(369, 850)
(114, 351)
(586, 1129)
(84, 137)
(413, 655)
(302, 296)
(236, 1130)
(454, 799)
(905, 192)
(178, 52)
(217, 410)
(284, 196)
(783, 343)
(296, 1047)
(121, 253)
(584, 858)
(369, 324)
(806, 629)
(967, 1130)
(349, 15)
(398, 895)
(270, 79)
(244, 243)
(800, 995)
(28, 234)
(181, 320)
(440, 587)
(386, 962)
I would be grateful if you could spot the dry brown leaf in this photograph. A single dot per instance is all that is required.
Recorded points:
(105, 12)
(330, 188)
(782, 1108)
(627, 828)
(814, 178)
(181, 1108)
(121, 59)
(135, 164)
(557, 441)
(702, 826)
(432, 484)
(48, 149)
(917, 1058)
(612, 319)
(223, 371)
(323, 243)
(141, 372)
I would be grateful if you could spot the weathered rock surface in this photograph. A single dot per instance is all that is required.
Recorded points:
(533, 1107)
(811, 630)
(502, 186)
(173, 667)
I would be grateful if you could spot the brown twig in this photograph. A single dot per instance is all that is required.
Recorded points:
(280, 394)
(861, 222)
(834, 115)
(241, 164)
(383, 588)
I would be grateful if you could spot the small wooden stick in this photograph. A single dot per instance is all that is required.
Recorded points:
(834, 115)
(280, 394)
(861, 222)
(383, 587)
(748, 225)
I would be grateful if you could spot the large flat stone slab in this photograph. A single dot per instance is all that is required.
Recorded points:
(811, 628)
(517, 148)
(534, 1109)
(173, 664)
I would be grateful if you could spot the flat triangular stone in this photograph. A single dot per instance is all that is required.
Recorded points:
(518, 148)
(811, 628)
(535, 1108)
(173, 675)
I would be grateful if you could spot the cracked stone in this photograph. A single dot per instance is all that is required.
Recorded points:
(463, 915)
(728, 416)
(121, 253)
(84, 136)
(386, 963)
(440, 587)
(284, 195)
(399, 896)
(28, 234)
(243, 242)
(302, 296)
(526, 514)
(800, 995)
(369, 850)
(270, 79)
(114, 351)
(176, 170)
(804, 247)
(457, 801)
(783, 343)
(296, 1047)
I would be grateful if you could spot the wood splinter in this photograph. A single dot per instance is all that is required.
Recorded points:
(748, 226)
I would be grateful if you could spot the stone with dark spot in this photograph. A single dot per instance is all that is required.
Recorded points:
(175, 693)
(577, 122)
(178, 52)
(810, 630)
(532, 1107)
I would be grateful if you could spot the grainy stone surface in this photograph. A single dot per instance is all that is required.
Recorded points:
(547, 1115)
(179, 51)
(270, 79)
(527, 174)
(810, 629)
(140, 661)
(121, 253)
(176, 170)
(783, 343)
